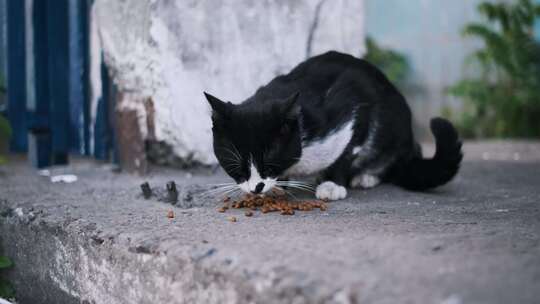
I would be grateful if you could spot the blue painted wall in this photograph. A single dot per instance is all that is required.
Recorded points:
(537, 26)
(3, 48)
(48, 81)
(3, 32)
(428, 33)
(16, 78)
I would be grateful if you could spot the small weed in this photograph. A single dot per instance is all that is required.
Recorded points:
(6, 290)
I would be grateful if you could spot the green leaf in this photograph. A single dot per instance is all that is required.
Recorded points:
(495, 12)
(6, 290)
(5, 262)
(2, 84)
(393, 64)
(5, 129)
(503, 100)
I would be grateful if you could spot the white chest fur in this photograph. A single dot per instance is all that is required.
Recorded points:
(320, 154)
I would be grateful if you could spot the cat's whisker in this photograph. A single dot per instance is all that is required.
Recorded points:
(237, 153)
(234, 161)
(297, 186)
(218, 189)
(222, 184)
(236, 156)
(238, 191)
(232, 166)
(215, 186)
(301, 188)
(298, 183)
(212, 194)
(287, 192)
(230, 192)
(216, 194)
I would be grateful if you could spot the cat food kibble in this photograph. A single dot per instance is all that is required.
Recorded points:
(223, 209)
(266, 204)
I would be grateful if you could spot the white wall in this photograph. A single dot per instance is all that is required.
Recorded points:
(172, 51)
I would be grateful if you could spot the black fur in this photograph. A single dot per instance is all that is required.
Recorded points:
(418, 173)
(321, 94)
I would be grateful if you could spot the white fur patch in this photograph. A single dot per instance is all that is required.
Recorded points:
(254, 179)
(330, 191)
(365, 181)
(319, 155)
(366, 150)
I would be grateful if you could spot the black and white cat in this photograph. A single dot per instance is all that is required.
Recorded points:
(333, 115)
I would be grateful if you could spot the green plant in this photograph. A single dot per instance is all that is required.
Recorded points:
(6, 290)
(5, 134)
(504, 99)
(2, 85)
(393, 64)
(5, 129)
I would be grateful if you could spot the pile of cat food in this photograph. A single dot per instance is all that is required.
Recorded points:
(268, 204)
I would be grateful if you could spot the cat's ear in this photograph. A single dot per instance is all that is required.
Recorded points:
(219, 108)
(292, 107)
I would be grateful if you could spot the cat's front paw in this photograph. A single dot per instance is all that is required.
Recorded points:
(330, 191)
(365, 181)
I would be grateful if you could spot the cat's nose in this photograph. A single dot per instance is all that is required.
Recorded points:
(258, 188)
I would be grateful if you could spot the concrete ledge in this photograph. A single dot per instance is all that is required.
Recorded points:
(97, 241)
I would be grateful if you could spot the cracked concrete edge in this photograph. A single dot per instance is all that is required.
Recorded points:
(73, 263)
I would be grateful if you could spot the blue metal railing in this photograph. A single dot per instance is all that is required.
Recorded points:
(49, 103)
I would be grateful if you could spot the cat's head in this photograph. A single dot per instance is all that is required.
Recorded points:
(256, 142)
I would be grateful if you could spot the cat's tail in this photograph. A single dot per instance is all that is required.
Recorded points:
(420, 173)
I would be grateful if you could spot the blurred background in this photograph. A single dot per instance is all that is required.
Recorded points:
(122, 81)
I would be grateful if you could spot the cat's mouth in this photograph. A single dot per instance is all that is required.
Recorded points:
(258, 185)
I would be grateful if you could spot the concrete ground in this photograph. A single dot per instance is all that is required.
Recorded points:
(475, 240)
